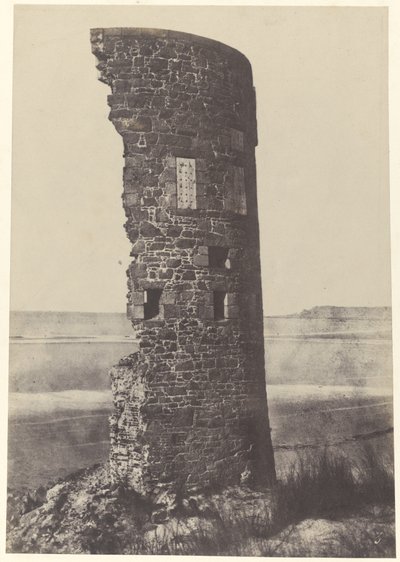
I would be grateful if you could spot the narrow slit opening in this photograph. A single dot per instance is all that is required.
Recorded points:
(152, 303)
(217, 256)
(219, 305)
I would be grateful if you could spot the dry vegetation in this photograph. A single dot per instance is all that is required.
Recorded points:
(323, 507)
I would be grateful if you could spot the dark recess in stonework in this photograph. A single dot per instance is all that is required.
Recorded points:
(219, 305)
(217, 256)
(152, 303)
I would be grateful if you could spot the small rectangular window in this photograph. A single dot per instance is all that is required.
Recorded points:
(219, 305)
(152, 303)
(217, 256)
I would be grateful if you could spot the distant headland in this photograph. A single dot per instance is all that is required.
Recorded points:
(345, 312)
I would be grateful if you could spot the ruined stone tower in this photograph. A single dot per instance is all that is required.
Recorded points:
(190, 405)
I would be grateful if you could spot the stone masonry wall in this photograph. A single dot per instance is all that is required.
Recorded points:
(190, 405)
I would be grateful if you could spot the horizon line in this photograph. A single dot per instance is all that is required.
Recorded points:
(265, 315)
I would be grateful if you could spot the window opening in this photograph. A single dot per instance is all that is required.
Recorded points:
(217, 256)
(219, 305)
(152, 303)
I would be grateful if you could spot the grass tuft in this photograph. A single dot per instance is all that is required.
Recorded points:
(326, 487)
(324, 506)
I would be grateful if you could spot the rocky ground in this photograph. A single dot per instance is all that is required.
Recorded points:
(86, 513)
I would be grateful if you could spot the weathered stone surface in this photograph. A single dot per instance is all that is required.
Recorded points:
(190, 405)
(200, 260)
(148, 230)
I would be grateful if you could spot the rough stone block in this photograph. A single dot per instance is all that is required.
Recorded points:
(138, 247)
(170, 187)
(120, 113)
(131, 199)
(209, 312)
(237, 140)
(135, 161)
(165, 273)
(231, 311)
(201, 165)
(131, 140)
(174, 262)
(174, 230)
(171, 161)
(137, 297)
(183, 417)
(184, 366)
(132, 187)
(167, 176)
(149, 230)
(200, 260)
(138, 312)
(140, 124)
(137, 214)
(209, 298)
(138, 270)
(171, 311)
(201, 190)
(129, 311)
(232, 299)
(234, 253)
(203, 202)
(156, 64)
(185, 243)
(168, 297)
(201, 177)
(203, 250)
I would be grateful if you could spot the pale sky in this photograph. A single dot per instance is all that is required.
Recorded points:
(322, 159)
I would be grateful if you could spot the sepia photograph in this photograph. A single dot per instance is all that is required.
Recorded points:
(200, 323)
